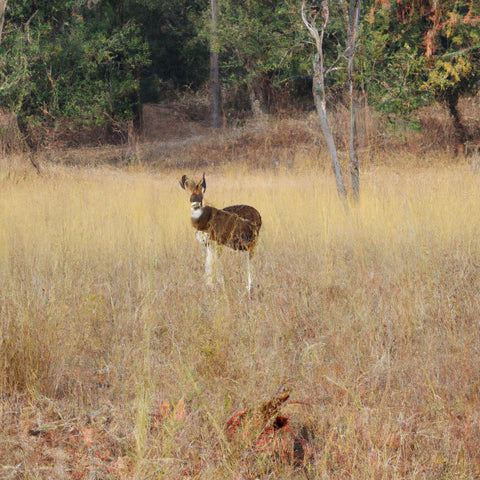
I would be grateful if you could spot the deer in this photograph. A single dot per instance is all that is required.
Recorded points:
(236, 227)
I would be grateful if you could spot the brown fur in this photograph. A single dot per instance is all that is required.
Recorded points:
(247, 212)
(227, 228)
(236, 226)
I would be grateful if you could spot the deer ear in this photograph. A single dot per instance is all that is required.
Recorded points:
(204, 183)
(184, 182)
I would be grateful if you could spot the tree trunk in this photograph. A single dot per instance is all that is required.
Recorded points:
(3, 6)
(216, 94)
(354, 169)
(353, 20)
(320, 104)
(460, 130)
(319, 95)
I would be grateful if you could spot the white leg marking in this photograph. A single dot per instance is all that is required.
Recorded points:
(203, 238)
(249, 273)
(209, 263)
(218, 265)
(208, 250)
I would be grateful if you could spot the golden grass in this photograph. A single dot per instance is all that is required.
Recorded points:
(116, 361)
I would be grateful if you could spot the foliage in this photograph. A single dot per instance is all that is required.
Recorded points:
(391, 62)
(416, 52)
(179, 56)
(64, 61)
(89, 63)
(261, 44)
(446, 75)
(454, 45)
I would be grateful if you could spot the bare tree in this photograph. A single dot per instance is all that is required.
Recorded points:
(319, 94)
(216, 94)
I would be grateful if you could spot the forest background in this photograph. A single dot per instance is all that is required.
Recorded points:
(80, 71)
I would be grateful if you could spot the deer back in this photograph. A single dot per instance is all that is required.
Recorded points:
(246, 212)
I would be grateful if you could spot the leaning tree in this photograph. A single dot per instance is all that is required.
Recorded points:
(316, 18)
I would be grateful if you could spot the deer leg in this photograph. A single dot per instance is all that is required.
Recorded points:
(210, 255)
(210, 260)
(218, 265)
(249, 273)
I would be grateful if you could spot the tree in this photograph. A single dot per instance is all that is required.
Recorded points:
(452, 47)
(352, 20)
(309, 17)
(216, 93)
(68, 66)
(392, 66)
(416, 52)
(258, 40)
(179, 54)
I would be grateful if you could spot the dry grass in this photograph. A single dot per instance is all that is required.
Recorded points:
(116, 362)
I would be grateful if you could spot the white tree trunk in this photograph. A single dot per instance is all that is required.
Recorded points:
(318, 88)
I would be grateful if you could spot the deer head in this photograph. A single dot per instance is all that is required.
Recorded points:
(196, 189)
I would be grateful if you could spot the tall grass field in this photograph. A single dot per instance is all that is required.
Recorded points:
(118, 362)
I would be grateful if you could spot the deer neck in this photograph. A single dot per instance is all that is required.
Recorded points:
(200, 216)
